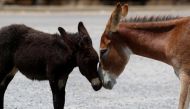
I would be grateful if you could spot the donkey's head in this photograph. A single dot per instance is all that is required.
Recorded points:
(113, 52)
(86, 56)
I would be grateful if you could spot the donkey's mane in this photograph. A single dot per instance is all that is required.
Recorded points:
(140, 19)
(73, 36)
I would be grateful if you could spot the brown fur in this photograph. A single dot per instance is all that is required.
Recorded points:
(166, 41)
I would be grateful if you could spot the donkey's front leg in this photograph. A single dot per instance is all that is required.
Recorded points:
(58, 91)
(184, 90)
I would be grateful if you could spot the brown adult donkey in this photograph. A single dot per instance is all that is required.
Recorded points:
(166, 39)
(43, 56)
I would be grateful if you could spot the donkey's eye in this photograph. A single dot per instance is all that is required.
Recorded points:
(102, 51)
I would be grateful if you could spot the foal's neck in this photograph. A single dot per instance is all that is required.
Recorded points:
(148, 41)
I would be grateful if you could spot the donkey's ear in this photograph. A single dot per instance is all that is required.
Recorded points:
(82, 30)
(62, 31)
(124, 10)
(115, 18)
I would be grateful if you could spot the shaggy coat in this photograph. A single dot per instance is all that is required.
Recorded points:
(43, 56)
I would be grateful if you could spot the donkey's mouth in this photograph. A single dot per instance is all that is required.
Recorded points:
(109, 84)
(96, 84)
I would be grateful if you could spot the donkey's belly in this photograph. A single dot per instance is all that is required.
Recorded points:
(34, 75)
(31, 62)
(33, 71)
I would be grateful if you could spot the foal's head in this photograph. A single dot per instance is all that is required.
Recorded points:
(114, 54)
(86, 56)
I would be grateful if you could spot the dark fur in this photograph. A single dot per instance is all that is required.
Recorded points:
(44, 56)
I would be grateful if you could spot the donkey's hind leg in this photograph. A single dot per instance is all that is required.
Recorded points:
(6, 75)
(184, 90)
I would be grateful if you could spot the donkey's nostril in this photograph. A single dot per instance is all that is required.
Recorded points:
(109, 84)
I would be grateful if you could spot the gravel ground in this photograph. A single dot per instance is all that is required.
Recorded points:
(144, 84)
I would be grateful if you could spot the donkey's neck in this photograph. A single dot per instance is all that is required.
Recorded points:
(146, 41)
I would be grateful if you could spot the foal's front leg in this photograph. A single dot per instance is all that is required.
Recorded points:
(58, 91)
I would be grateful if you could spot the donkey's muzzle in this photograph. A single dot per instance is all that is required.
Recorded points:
(96, 84)
(109, 84)
(108, 80)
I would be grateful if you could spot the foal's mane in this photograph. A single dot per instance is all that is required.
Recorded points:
(140, 19)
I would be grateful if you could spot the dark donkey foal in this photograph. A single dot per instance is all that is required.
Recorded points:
(43, 56)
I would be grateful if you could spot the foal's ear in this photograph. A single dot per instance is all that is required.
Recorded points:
(82, 30)
(62, 31)
(115, 18)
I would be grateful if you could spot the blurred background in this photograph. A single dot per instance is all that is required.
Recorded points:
(93, 2)
(145, 83)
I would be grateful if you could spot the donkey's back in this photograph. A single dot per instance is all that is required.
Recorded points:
(10, 36)
(30, 51)
(13, 35)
